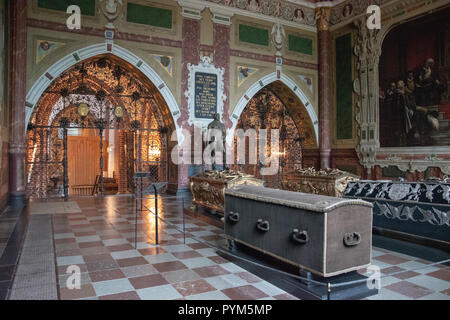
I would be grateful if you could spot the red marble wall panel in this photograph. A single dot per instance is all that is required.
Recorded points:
(222, 60)
(190, 54)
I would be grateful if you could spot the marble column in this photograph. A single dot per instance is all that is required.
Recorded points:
(222, 60)
(17, 67)
(190, 54)
(323, 39)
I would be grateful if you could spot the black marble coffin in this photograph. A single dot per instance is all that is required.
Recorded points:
(415, 210)
(325, 235)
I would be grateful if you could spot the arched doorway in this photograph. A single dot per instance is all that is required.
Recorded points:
(96, 125)
(275, 106)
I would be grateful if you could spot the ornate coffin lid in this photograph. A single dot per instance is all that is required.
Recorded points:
(435, 193)
(324, 173)
(306, 201)
(225, 176)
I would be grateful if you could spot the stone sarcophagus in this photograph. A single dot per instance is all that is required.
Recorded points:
(326, 182)
(208, 188)
(327, 236)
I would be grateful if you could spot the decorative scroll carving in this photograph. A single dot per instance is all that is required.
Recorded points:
(365, 86)
(433, 216)
(423, 193)
(416, 208)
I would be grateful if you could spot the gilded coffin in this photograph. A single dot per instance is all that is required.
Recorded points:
(326, 182)
(208, 188)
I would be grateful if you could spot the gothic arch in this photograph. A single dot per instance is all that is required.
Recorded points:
(261, 83)
(45, 80)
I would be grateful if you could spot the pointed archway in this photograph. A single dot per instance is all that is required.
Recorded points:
(276, 107)
(297, 100)
(111, 99)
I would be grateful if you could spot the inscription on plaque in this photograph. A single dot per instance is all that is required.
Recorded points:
(205, 95)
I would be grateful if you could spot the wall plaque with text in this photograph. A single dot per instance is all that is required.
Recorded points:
(205, 95)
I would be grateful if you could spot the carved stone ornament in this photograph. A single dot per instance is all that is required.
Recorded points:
(323, 18)
(111, 9)
(206, 65)
(208, 188)
(278, 35)
(327, 182)
(365, 86)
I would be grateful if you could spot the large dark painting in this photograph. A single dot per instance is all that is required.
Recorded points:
(414, 75)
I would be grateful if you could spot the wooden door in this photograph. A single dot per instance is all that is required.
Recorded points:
(83, 154)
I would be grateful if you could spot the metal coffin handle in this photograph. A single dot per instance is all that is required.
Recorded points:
(263, 226)
(352, 239)
(233, 216)
(300, 237)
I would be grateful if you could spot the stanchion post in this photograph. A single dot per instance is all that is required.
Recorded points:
(141, 191)
(156, 215)
(136, 214)
(184, 223)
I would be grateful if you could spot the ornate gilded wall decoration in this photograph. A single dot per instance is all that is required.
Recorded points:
(83, 84)
(266, 111)
(297, 111)
(323, 18)
(166, 62)
(45, 47)
(243, 73)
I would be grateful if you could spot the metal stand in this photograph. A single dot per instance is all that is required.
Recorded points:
(184, 223)
(139, 196)
(64, 123)
(156, 214)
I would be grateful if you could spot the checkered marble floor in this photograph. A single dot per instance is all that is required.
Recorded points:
(405, 277)
(100, 241)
